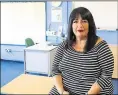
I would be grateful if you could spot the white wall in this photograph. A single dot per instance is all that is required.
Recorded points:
(20, 20)
(104, 12)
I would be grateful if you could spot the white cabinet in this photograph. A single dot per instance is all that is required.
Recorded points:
(39, 59)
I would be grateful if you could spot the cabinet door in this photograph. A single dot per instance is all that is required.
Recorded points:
(37, 61)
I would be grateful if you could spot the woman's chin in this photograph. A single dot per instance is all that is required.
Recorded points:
(80, 36)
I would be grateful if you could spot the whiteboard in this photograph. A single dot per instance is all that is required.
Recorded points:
(104, 12)
(20, 20)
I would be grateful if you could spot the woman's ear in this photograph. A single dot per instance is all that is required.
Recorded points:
(73, 37)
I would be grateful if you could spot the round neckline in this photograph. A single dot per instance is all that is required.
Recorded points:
(87, 51)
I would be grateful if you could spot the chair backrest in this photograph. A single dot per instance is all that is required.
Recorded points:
(29, 42)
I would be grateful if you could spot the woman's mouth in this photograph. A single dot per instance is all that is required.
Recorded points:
(80, 30)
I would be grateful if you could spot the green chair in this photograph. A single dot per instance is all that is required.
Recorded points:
(29, 42)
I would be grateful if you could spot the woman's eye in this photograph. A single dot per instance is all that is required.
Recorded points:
(75, 21)
(85, 21)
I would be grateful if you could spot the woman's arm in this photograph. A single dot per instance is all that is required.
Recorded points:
(95, 89)
(58, 83)
(56, 73)
(105, 60)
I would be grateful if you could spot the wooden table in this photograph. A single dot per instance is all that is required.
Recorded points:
(114, 49)
(28, 84)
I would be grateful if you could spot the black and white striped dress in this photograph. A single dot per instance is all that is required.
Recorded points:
(80, 70)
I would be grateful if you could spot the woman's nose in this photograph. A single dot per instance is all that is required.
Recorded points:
(80, 25)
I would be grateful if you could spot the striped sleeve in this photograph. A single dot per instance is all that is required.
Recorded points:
(57, 59)
(106, 60)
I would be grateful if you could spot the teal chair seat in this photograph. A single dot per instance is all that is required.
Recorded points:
(29, 42)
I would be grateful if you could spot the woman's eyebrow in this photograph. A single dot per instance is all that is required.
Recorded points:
(76, 19)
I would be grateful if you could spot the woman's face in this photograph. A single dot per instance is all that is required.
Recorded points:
(80, 28)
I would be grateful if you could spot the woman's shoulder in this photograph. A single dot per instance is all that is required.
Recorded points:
(101, 44)
(98, 40)
(62, 44)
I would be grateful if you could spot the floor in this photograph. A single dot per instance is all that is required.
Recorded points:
(12, 69)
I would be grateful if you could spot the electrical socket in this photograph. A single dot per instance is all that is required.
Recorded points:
(8, 50)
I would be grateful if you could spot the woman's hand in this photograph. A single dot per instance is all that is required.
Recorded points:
(65, 93)
(95, 89)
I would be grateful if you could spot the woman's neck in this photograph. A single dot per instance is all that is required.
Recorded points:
(79, 45)
(81, 41)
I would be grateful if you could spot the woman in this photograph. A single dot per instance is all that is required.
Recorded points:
(83, 64)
